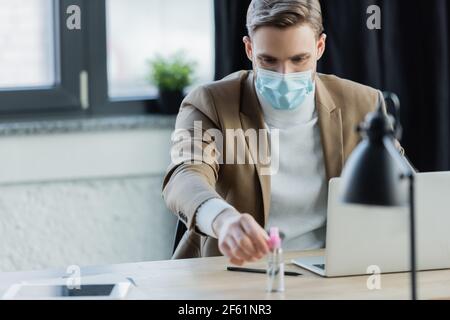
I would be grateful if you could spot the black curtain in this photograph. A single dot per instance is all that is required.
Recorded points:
(408, 56)
(230, 21)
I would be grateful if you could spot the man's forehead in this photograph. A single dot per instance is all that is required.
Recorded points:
(291, 41)
(267, 33)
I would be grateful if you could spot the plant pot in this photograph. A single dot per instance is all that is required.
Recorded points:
(170, 101)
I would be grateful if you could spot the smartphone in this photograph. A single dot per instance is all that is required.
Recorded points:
(113, 291)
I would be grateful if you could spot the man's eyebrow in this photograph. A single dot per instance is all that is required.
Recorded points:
(301, 56)
(266, 56)
(297, 56)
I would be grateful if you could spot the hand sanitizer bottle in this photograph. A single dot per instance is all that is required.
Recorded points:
(275, 265)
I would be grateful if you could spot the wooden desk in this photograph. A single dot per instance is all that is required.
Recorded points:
(208, 279)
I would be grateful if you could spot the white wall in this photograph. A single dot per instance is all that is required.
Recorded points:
(83, 198)
(83, 155)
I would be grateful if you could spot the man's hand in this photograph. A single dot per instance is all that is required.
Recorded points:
(241, 238)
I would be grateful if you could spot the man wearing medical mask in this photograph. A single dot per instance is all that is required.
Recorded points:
(228, 207)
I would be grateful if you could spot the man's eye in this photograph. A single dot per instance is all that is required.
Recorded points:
(298, 60)
(269, 61)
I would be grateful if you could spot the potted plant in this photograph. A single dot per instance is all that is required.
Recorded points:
(171, 76)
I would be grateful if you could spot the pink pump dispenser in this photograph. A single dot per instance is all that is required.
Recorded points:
(274, 238)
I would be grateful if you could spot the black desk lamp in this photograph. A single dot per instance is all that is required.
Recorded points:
(373, 171)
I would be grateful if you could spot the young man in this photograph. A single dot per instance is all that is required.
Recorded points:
(227, 206)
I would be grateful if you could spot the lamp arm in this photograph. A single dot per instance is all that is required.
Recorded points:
(412, 235)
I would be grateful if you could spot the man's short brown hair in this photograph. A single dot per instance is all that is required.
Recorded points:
(284, 14)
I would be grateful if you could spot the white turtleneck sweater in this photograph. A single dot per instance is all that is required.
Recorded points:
(299, 188)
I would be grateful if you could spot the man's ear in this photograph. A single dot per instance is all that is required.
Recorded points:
(321, 45)
(248, 47)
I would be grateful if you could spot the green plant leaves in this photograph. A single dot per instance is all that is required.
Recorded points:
(173, 73)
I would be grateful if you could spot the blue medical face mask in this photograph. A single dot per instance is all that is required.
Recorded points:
(284, 91)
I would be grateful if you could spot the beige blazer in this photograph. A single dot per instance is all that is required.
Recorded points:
(232, 104)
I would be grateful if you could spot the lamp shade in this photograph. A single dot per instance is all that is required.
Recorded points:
(370, 176)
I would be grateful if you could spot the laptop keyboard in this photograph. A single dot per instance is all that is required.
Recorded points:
(320, 266)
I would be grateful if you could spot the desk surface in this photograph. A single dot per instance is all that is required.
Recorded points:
(208, 279)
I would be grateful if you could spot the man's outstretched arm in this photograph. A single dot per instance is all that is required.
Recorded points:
(189, 185)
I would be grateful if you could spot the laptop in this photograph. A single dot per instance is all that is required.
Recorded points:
(362, 239)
